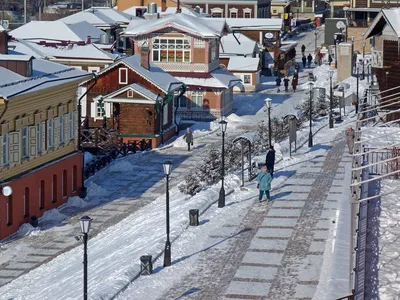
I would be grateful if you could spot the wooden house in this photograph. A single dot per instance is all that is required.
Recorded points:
(136, 99)
(187, 47)
(248, 69)
(38, 136)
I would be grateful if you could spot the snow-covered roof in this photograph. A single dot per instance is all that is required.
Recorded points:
(287, 46)
(56, 31)
(229, 45)
(2, 28)
(89, 51)
(385, 17)
(238, 63)
(184, 10)
(220, 78)
(45, 74)
(137, 88)
(155, 75)
(133, 9)
(250, 23)
(16, 56)
(186, 23)
(250, 136)
(99, 17)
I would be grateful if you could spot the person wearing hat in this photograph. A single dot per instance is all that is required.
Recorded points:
(270, 160)
(264, 183)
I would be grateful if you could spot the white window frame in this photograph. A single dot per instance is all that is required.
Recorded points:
(62, 124)
(158, 47)
(71, 126)
(247, 11)
(125, 70)
(99, 114)
(233, 10)
(197, 99)
(129, 94)
(93, 69)
(25, 142)
(5, 149)
(247, 83)
(217, 10)
(50, 133)
(39, 138)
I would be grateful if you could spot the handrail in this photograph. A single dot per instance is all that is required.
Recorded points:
(378, 106)
(376, 163)
(375, 150)
(383, 125)
(375, 178)
(380, 102)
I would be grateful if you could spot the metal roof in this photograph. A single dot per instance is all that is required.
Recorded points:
(385, 17)
(137, 88)
(244, 64)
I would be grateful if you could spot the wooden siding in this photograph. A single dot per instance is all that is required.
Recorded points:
(17, 66)
(224, 61)
(252, 34)
(138, 118)
(199, 55)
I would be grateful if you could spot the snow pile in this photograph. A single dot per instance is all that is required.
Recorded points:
(52, 216)
(233, 118)
(25, 229)
(88, 157)
(121, 166)
(95, 190)
(76, 202)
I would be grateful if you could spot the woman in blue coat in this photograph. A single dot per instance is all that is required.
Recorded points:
(264, 179)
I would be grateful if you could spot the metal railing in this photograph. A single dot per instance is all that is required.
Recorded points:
(383, 162)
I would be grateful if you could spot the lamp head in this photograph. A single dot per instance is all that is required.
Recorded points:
(85, 224)
(352, 38)
(167, 167)
(268, 102)
(223, 125)
(7, 191)
(310, 86)
(330, 73)
(363, 44)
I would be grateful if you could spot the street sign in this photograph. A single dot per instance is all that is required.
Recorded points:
(338, 93)
(5, 24)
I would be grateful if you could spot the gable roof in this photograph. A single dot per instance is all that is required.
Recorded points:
(385, 17)
(229, 45)
(244, 64)
(136, 88)
(275, 24)
(155, 75)
(211, 27)
(56, 31)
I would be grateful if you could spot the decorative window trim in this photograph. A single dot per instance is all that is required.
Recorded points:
(93, 69)
(129, 94)
(125, 70)
(233, 9)
(158, 48)
(247, 11)
(217, 10)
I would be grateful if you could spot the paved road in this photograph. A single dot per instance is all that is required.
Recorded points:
(276, 251)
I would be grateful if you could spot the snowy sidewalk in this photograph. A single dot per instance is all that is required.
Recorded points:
(276, 249)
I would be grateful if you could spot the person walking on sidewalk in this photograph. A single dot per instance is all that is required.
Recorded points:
(350, 134)
(264, 179)
(294, 83)
(278, 83)
(303, 49)
(309, 59)
(188, 137)
(270, 160)
(304, 59)
(286, 84)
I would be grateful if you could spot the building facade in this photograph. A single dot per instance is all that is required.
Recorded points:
(38, 153)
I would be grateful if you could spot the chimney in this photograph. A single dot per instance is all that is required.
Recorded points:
(88, 40)
(178, 7)
(3, 42)
(163, 5)
(145, 56)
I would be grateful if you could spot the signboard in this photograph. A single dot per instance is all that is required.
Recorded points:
(377, 59)
(5, 24)
(338, 93)
(269, 38)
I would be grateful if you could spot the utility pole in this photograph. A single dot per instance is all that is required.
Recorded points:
(24, 11)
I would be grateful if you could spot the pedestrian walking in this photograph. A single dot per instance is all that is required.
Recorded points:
(286, 84)
(303, 49)
(304, 59)
(350, 134)
(270, 160)
(295, 81)
(264, 179)
(330, 59)
(309, 59)
(278, 83)
(188, 137)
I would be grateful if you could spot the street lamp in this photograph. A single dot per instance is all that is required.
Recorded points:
(221, 201)
(331, 100)
(346, 11)
(268, 103)
(316, 36)
(363, 71)
(6, 191)
(85, 228)
(353, 61)
(358, 81)
(310, 137)
(167, 252)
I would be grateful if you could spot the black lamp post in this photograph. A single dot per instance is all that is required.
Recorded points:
(167, 252)
(353, 60)
(85, 228)
(370, 73)
(221, 200)
(316, 36)
(268, 103)
(331, 100)
(358, 83)
(363, 71)
(310, 137)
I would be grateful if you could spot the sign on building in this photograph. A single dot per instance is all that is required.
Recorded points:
(377, 59)
(5, 24)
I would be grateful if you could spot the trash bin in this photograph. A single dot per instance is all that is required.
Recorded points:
(34, 221)
(194, 217)
(146, 265)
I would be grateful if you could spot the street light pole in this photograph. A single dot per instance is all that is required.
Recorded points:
(221, 200)
(85, 228)
(268, 102)
(363, 71)
(167, 252)
(310, 137)
(358, 75)
(331, 100)
(316, 36)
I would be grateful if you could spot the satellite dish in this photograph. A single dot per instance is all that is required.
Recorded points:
(340, 25)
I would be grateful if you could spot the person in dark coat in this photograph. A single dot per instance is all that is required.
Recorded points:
(286, 84)
(295, 81)
(303, 49)
(304, 59)
(270, 160)
(309, 59)
(278, 83)
(188, 137)
(330, 59)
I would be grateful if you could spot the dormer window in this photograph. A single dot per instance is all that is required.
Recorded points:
(171, 50)
(233, 12)
(247, 13)
(217, 12)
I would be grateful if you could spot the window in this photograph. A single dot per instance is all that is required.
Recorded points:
(233, 12)
(64, 183)
(123, 75)
(165, 114)
(25, 142)
(50, 133)
(247, 13)
(93, 69)
(217, 12)
(247, 79)
(5, 150)
(54, 189)
(129, 94)
(9, 208)
(44, 136)
(42, 194)
(217, 15)
(99, 110)
(197, 99)
(74, 178)
(171, 50)
(26, 202)
(38, 138)
(71, 125)
(62, 125)
(274, 11)
(180, 102)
